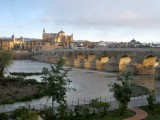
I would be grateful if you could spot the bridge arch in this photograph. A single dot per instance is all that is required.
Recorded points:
(123, 62)
(147, 64)
(150, 60)
(77, 61)
(87, 62)
(101, 62)
(69, 58)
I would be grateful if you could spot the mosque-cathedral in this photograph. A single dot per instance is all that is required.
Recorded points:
(57, 37)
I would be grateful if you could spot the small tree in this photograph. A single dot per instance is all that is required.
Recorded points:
(122, 91)
(151, 100)
(56, 81)
(64, 112)
(5, 59)
(100, 106)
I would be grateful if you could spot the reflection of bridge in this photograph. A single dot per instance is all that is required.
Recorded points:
(137, 60)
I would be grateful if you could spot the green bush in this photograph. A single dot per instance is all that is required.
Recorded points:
(24, 113)
(3, 116)
(81, 111)
(7, 101)
(48, 114)
(99, 107)
(151, 100)
(64, 113)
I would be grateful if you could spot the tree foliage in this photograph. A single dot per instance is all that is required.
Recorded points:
(100, 106)
(56, 82)
(151, 98)
(5, 59)
(122, 91)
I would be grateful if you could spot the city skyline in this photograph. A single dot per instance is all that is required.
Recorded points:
(93, 20)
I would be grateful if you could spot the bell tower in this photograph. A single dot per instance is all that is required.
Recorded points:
(13, 38)
(43, 34)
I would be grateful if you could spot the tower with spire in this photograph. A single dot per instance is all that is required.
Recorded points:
(43, 34)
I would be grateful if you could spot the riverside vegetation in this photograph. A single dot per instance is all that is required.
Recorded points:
(95, 110)
(16, 89)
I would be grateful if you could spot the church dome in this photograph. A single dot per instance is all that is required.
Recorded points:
(61, 31)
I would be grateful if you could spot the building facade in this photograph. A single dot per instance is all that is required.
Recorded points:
(57, 37)
(11, 43)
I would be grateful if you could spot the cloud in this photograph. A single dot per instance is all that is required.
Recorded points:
(104, 14)
(126, 19)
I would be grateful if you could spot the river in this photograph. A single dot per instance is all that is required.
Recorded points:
(88, 83)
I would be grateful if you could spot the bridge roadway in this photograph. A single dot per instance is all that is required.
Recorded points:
(137, 60)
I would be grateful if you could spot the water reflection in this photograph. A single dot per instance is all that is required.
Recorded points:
(147, 81)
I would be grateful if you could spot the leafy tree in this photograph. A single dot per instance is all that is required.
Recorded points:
(5, 59)
(122, 91)
(151, 100)
(56, 81)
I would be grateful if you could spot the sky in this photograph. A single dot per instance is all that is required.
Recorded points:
(93, 20)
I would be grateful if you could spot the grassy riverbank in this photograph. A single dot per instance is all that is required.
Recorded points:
(152, 114)
(111, 115)
(16, 89)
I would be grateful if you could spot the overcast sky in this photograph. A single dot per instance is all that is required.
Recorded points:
(94, 20)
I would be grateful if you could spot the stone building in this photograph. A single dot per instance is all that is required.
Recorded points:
(57, 37)
(50, 41)
(11, 43)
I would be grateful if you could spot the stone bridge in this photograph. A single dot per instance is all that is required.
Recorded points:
(139, 61)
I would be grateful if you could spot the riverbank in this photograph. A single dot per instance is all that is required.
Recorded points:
(19, 89)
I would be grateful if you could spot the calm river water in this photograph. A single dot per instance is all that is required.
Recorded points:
(88, 83)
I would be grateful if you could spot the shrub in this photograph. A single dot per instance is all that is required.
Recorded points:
(48, 114)
(99, 106)
(64, 112)
(7, 101)
(82, 111)
(24, 114)
(3, 116)
(151, 100)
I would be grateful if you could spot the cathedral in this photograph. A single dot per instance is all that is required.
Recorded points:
(59, 37)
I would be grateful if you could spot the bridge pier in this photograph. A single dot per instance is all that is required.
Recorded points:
(81, 63)
(157, 72)
(112, 65)
(93, 65)
(71, 63)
